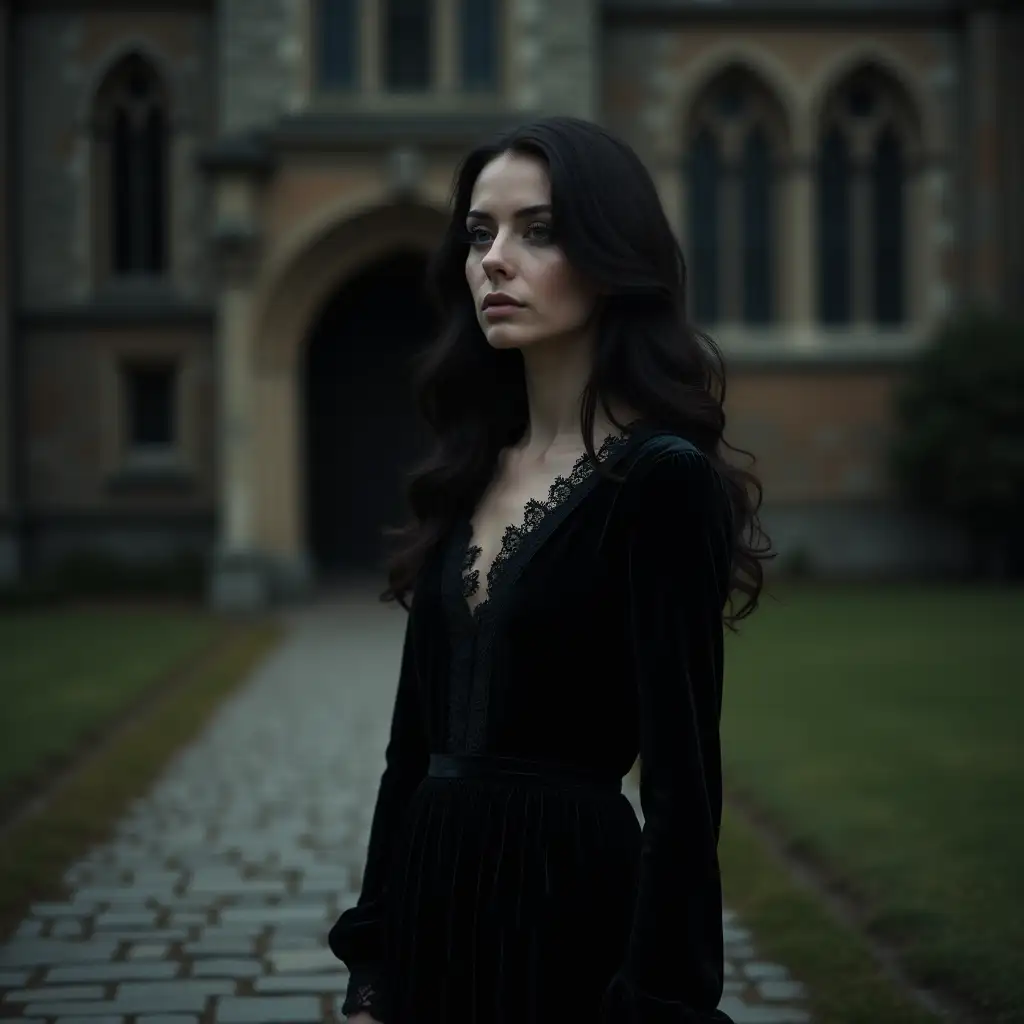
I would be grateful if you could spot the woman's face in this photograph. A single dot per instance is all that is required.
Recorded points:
(512, 252)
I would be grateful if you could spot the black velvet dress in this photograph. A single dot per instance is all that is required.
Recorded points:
(520, 889)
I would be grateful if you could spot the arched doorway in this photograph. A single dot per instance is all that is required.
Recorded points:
(361, 429)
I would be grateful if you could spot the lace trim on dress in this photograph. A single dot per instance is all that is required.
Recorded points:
(470, 580)
(536, 511)
(363, 998)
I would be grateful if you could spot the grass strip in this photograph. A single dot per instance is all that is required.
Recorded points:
(39, 849)
(876, 731)
(791, 926)
(73, 675)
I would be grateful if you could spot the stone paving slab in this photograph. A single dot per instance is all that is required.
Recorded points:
(212, 901)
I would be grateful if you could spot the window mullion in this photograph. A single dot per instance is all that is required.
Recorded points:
(730, 252)
(139, 222)
(371, 25)
(446, 42)
(862, 241)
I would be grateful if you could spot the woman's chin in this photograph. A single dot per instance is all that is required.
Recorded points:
(504, 336)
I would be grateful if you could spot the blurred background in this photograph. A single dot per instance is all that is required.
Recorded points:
(214, 220)
(215, 217)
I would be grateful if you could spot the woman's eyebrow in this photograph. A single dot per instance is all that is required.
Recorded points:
(526, 211)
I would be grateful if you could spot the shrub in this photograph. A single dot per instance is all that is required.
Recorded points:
(959, 446)
(101, 574)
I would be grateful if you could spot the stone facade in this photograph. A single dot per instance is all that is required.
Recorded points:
(261, 53)
(62, 57)
(280, 191)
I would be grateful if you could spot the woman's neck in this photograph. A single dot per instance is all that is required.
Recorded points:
(537, 444)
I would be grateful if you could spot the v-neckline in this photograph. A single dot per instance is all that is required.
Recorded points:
(539, 519)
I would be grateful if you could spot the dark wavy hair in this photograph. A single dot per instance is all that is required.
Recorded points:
(608, 220)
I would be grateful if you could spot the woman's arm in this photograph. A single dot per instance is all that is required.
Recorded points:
(679, 550)
(357, 937)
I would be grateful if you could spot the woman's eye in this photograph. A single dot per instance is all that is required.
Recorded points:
(539, 231)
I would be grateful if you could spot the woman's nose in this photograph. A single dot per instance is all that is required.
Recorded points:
(496, 257)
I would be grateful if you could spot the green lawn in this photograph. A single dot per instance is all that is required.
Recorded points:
(65, 674)
(82, 810)
(882, 729)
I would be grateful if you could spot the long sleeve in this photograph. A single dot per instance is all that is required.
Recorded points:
(357, 937)
(678, 552)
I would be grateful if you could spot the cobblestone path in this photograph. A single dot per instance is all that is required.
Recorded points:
(212, 903)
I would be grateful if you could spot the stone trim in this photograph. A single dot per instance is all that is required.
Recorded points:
(127, 482)
(328, 130)
(796, 163)
(786, 9)
(112, 516)
(786, 346)
(256, 151)
(139, 313)
(127, 478)
(244, 152)
(125, 6)
(840, 362)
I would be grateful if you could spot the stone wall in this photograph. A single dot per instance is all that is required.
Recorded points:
(261, 61)
(74, 412)
(562, 41)
(819, 431)
(62, 58)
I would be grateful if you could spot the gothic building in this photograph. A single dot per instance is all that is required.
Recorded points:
(216, 214)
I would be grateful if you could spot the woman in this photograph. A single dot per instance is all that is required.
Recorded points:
(569, 568)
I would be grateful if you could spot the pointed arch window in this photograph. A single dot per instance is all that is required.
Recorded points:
(704, 226)
(889, 222)
(834, 301)
(132, 135)
(737, 140)
(758, 272)
(869, 130)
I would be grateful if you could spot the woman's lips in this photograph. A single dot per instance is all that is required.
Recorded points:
(500, 310)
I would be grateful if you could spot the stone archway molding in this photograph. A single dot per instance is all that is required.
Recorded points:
(112, 57)
(709, 64)
(319, 256)
(299, 279)
(836, 68)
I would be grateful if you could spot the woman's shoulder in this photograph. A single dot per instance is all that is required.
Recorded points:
(670, 475)
(665, 453)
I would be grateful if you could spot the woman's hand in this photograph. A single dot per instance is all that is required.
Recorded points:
(362, 1017)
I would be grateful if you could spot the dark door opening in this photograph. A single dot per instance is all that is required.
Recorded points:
(362, 431)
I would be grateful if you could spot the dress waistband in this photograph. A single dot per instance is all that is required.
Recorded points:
(493, 766)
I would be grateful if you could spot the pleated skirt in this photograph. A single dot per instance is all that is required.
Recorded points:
(510, 902)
